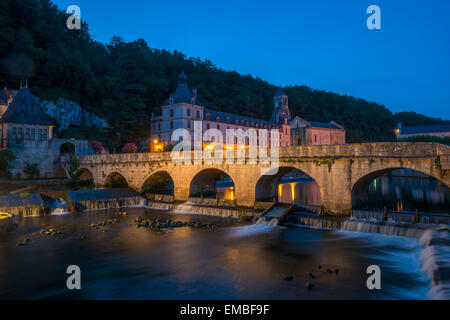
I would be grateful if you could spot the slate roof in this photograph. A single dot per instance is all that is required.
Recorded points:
(24, 110)
(224, 116)
(323, 125)
(3, 98)
(425, 129)
(182, 94)
(280, 92)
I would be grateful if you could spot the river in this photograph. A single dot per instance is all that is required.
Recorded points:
(234, 261)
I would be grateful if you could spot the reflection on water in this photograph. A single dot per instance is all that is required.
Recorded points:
(399, 190)
(406, 190)
(234, 261)
(301, 191)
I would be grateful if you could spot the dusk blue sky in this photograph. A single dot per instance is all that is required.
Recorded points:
(321, 44)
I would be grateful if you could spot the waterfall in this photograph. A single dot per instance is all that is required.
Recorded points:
(191, 207)
(385, 227)
(433, 238)
(115, 203)
(57, 206)
(265, 221)
(435, 258)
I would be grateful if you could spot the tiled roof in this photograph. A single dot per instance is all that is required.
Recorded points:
(425, 129)
(23, 110)
(225, 117)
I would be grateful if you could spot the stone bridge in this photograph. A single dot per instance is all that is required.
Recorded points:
(343, 172)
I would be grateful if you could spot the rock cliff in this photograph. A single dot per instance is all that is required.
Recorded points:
(68, 113)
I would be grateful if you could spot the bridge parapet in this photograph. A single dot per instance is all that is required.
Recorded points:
(381, 149)
(378, 149)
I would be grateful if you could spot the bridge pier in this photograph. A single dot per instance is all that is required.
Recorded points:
(339, 170)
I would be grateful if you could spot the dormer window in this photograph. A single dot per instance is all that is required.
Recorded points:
(217, 118)
(207, 116)
(171, 100)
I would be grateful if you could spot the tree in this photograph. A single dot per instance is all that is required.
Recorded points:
(129, 148)
(124, 82)
(6, 157)
(98, 147)
(73, 166)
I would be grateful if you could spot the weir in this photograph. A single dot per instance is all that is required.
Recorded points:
(273, 215)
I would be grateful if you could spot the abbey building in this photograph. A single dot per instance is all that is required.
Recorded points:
(182, 108)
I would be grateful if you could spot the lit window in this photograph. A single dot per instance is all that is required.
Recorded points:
(33, 133)
(14, 133)
(27, 134)
(20, 134)
(45, 134)
(39, 137)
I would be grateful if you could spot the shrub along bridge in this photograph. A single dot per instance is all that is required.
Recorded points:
(343, 172)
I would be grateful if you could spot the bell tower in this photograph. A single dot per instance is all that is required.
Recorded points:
(281, 113)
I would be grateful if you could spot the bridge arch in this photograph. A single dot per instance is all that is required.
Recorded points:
(159, 182)
(60, 172)
(85, 175)
(116, 179)
(362, 185)
(283, 187)
(204, 183)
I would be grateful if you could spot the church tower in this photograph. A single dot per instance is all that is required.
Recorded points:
(281, 113)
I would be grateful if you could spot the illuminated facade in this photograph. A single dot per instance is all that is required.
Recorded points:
(182, 108)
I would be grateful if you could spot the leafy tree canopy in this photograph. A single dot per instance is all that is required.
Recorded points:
(124, 82)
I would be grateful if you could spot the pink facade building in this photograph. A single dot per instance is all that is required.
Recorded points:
(309, 133)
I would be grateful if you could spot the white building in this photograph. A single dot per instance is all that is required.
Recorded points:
(182, 108)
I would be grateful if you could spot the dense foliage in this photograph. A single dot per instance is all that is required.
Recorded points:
(124, 82)
(444, 140)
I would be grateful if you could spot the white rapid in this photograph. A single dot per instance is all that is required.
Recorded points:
(435, 258)
(58, 206)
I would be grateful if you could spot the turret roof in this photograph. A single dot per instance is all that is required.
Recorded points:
(24, 110)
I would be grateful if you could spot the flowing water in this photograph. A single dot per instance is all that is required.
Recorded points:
(234, 261)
